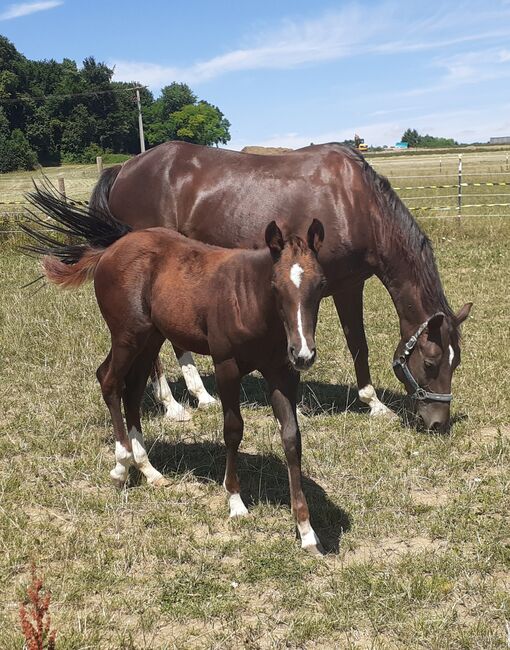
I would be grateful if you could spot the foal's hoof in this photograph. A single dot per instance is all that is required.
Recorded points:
(206, 400)
(237, 507)
(178, 414)
(160, 482)
(315, 549)
(117, 482)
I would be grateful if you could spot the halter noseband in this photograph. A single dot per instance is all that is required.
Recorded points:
(419, 392)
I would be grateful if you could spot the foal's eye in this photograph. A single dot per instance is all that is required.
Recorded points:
(429, 364)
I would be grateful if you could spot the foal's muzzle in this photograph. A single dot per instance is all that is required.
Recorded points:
(302, 360)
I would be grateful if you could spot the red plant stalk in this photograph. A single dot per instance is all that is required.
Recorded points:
(35, 617)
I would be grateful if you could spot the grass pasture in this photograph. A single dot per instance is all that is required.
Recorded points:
(416, 525)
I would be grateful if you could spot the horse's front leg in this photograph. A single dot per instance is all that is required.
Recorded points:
(349, 305)
(283, 384)
(162, 392)
(192, 378)
(228, 381)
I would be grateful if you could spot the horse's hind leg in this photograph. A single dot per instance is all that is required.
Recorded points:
(283, 384)
(111, 374)
(228, 381)
(349, 305)
(136, 381)
(162, 392)
(192, 378)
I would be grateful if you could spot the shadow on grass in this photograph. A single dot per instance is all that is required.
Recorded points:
(264, 479)
(314, 397)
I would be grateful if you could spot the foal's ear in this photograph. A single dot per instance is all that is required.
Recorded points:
(463, 313)
(274, 238)
(315, 236)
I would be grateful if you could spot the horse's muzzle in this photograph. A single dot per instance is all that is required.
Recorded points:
(302, 361)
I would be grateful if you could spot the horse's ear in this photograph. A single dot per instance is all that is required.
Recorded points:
(463, 313)
(315, 235)
(274, 238)
(436, 321)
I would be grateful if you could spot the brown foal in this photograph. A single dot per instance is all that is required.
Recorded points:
(248, 309)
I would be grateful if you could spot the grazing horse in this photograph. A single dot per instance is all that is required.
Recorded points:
(225, 198)
(248, 309)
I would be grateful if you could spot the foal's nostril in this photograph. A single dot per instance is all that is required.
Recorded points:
(292, 351)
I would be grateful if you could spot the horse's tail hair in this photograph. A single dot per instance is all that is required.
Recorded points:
(71, 276)
(82, 235)
(101, 192)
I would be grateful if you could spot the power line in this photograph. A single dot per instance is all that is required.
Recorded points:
(39, 98)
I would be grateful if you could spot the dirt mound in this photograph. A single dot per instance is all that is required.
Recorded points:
(266, 151)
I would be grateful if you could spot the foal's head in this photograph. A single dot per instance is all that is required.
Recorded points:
(298, 283)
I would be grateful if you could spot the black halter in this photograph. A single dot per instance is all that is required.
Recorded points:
(419, 392)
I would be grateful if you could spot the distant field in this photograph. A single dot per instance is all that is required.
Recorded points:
(416, 525)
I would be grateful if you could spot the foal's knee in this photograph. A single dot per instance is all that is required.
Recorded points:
(233, 427)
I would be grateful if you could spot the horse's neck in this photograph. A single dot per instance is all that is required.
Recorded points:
(256, 297)
(404, 275)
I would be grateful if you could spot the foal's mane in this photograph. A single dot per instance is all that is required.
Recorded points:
(411, 240)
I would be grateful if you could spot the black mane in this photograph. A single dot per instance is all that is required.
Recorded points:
(413, 242)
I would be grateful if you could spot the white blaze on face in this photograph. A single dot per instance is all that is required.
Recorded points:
(296, 273)
(305, 352)
(452, 354)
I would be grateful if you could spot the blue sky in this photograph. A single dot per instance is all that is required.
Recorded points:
(287, 73)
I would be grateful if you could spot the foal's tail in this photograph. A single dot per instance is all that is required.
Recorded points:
(72, 259)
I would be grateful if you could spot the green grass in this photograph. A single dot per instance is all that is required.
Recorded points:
(416, 525)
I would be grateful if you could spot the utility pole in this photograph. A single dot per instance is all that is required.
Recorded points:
(140, 121)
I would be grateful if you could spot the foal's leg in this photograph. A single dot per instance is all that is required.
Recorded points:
(136, 381)
(111, 374)
(349, 305)
(192, 378)
(283, 384)
(162, 392)
(228, 381)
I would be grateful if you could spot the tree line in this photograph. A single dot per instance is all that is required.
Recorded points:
(53, 112)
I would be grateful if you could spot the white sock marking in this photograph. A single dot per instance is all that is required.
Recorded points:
(368, 396)
(193, 380)
(124, 460)
(173, 409)
(452, 354)
(309, 539)
(141, 458)
(236, 506)
(295, 274)
(305, 352)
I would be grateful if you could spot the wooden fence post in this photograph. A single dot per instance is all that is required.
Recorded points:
(99, 163)
(61, 185)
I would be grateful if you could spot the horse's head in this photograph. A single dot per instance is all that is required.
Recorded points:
(298, 283)
(425, 363)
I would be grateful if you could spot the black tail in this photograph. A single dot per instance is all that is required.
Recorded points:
(99, 197)
(92, 228)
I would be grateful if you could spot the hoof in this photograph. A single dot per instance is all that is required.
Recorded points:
(117, 482)
(315, 549)
(381, 411)
(178, 414)
(206, 400)
(160, 482)
(236, 506)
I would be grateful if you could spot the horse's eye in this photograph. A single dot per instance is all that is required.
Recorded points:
(429, 364)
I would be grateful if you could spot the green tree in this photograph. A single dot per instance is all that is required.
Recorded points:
(175, 97)
(412, 137)
(201, 124)
(78, 134)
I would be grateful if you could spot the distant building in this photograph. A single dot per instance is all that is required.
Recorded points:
(401, 145)
(502, 140)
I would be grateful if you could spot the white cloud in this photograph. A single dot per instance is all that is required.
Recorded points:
(27, 8)
(348, 32)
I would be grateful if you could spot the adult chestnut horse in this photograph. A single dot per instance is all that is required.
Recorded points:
(224, 197)
(250, 310)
